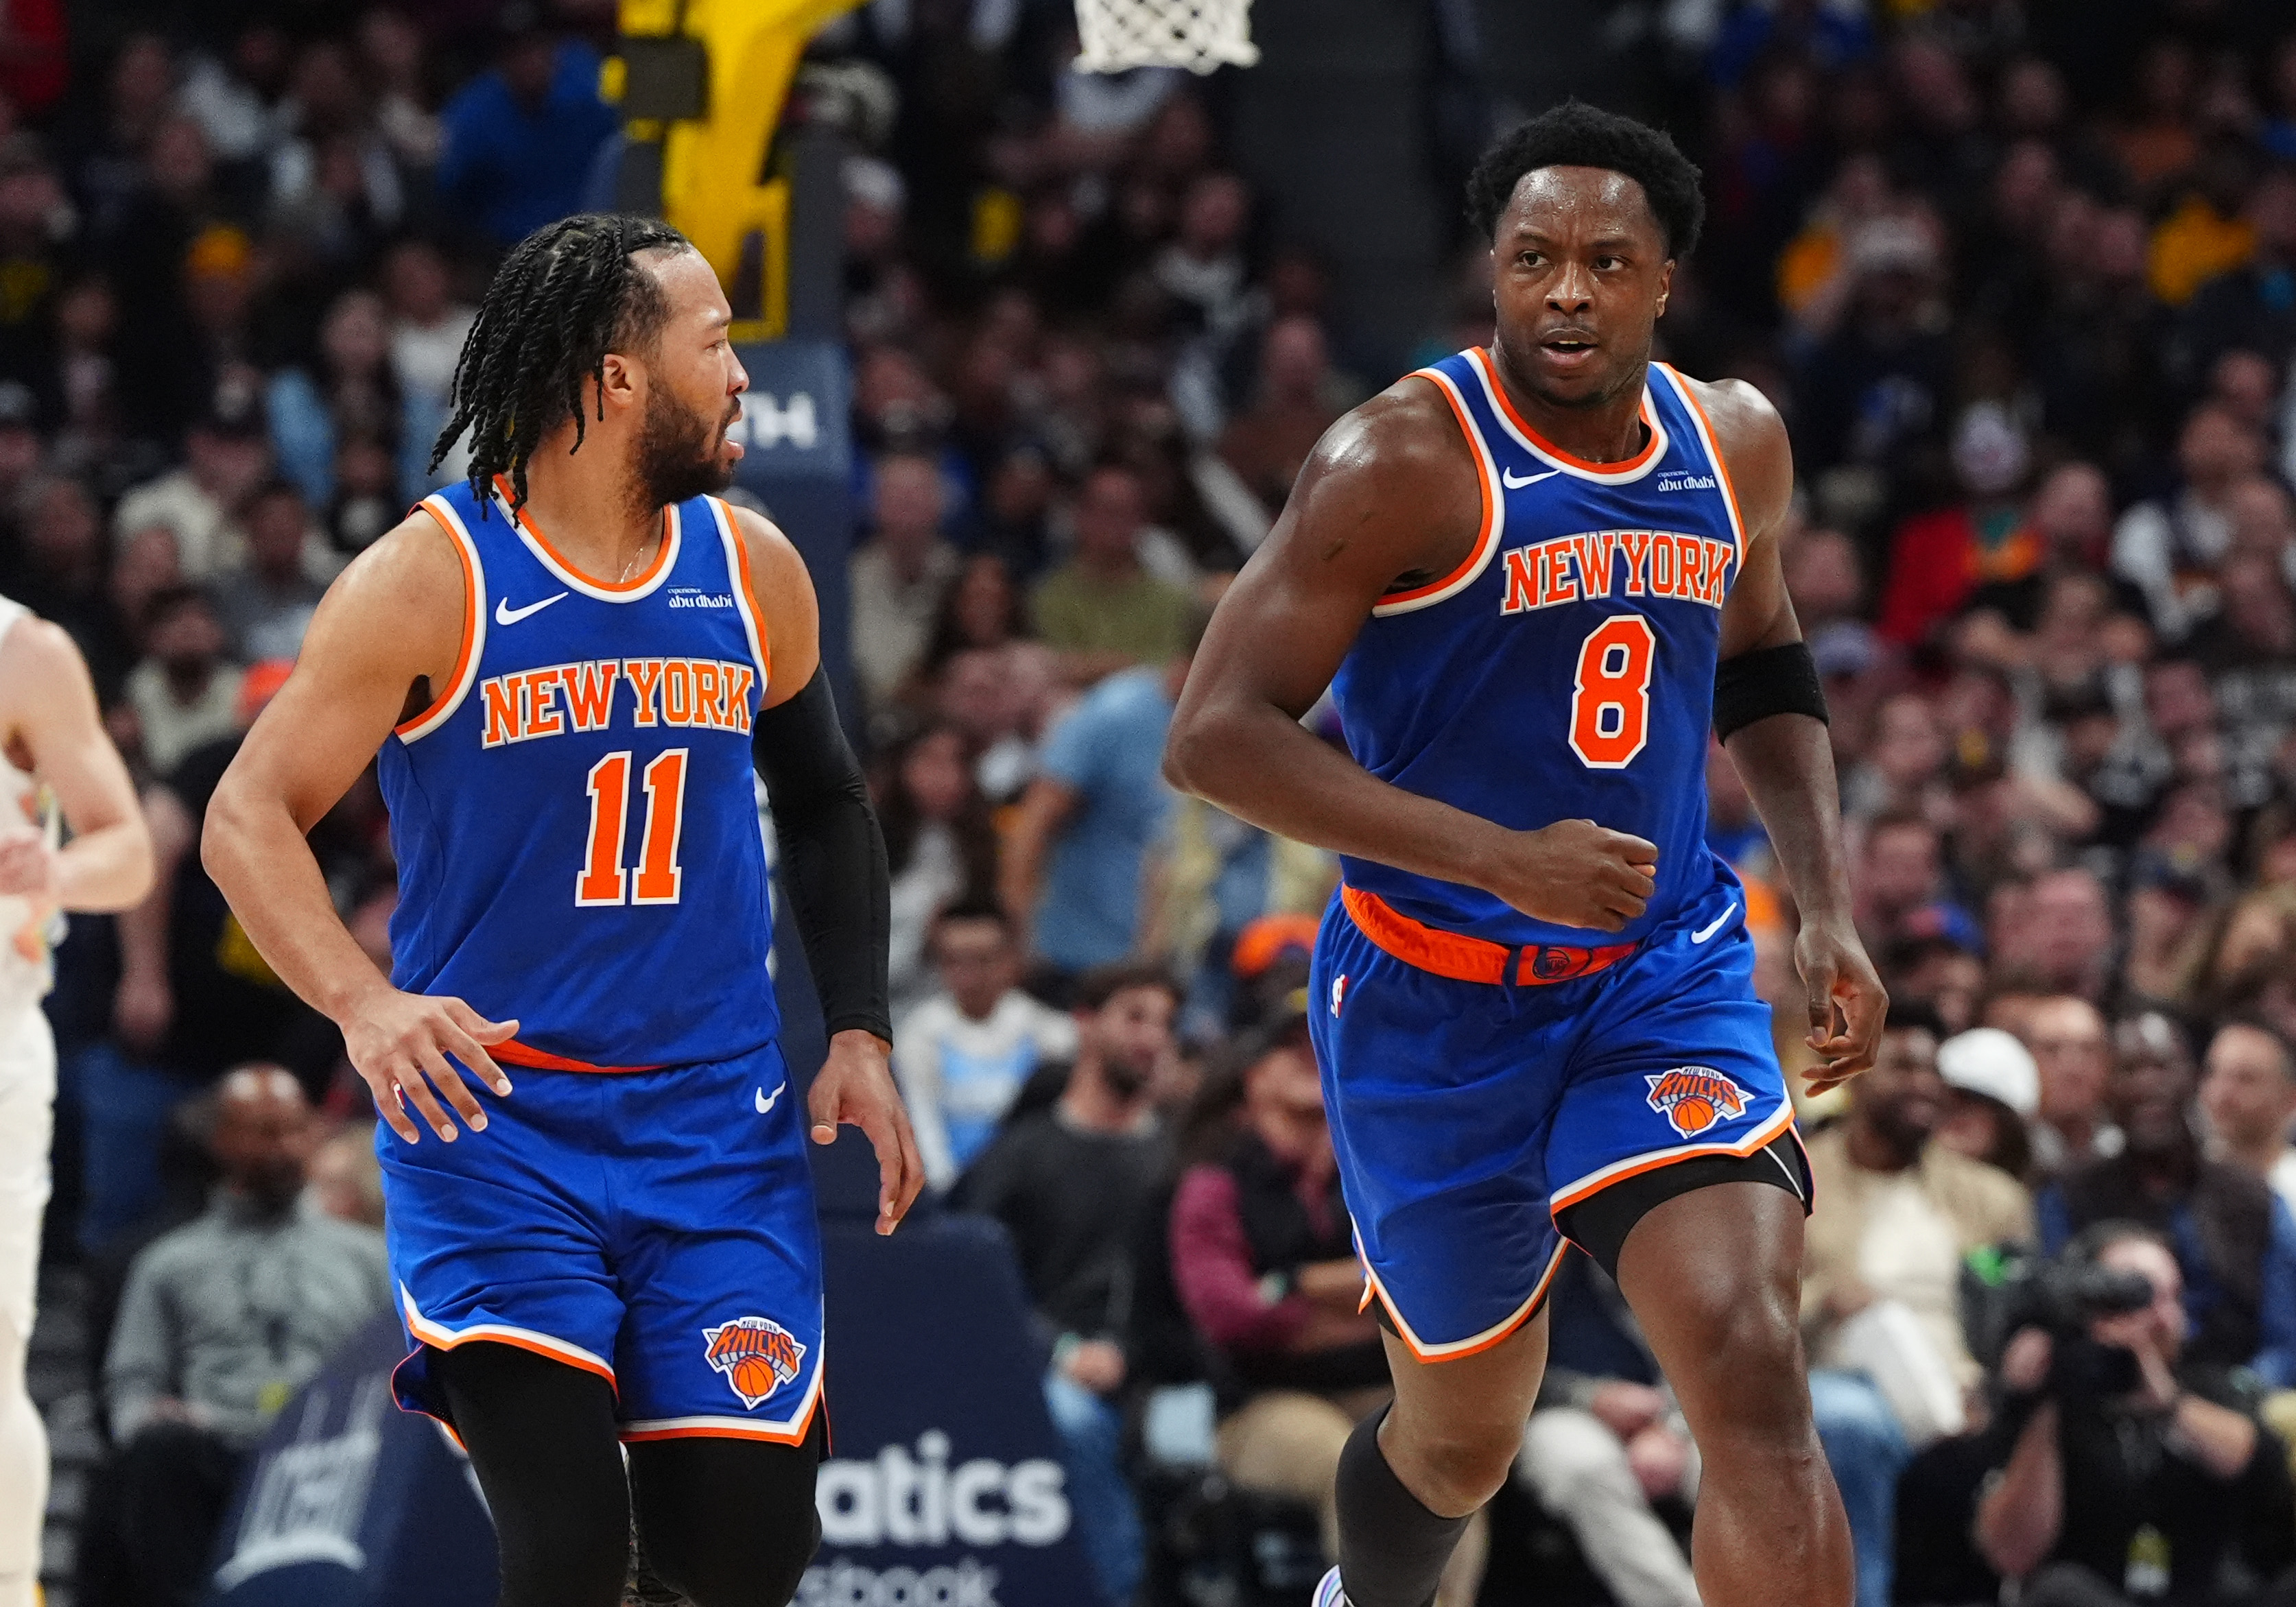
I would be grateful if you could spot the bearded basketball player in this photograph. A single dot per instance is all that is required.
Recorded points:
(1534, 577)
(568, 667)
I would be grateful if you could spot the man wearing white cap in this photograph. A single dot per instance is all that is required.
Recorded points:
(1994, 1088)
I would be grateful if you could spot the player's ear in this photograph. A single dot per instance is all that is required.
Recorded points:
(1665, 284)
(618, 383)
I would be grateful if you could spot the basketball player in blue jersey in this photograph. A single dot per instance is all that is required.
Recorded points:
(1533, 577)
(568, 667)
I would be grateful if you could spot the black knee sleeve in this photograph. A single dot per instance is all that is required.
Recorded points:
(542, 1441)
(728, 1523)
(1392, 1549)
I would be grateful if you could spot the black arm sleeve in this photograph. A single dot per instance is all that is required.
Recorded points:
(1766, 680)
(832, 855)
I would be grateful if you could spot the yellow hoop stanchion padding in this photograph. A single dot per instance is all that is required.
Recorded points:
(713, 186)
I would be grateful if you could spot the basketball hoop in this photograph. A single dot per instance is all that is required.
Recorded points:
(1198, 35)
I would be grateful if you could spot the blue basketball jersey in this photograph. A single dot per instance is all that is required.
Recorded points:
(1566, 668)
(574, 816)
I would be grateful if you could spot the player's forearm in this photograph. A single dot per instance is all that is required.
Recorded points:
(107, 869)
(833, 862)
(1787, 764)
(1262, 765)
(266, 869)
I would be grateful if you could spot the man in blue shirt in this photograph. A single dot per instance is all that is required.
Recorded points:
(1071, 878)
(521, 137)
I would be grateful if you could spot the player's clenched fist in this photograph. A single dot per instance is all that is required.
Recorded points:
(399, 1042)
(1576, 873)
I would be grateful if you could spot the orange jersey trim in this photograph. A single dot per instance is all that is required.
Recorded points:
(661, 556)
(1465, 959)
(1483, 488)
(1507, 403)
(796, 1434)
(1489, 1339)
(1586, 1188)
(1714, 451)
(757, 614)
(438, 1338)
(520, 1054)
(473, 605)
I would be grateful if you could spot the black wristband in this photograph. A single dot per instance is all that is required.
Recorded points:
(1769, 680)
(832, 856)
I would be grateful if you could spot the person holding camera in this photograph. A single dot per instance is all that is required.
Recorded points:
(2123, 1472)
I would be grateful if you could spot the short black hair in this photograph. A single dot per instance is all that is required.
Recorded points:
(169, 600)
(1916, 1016)
(2251, 1022)
(567, 294)
(973, 909)
(1101, 983)
(1575, 135)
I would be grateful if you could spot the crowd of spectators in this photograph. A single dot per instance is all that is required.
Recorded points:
(2020, 274)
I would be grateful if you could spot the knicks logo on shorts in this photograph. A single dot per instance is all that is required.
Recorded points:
(757, 1355)
(1693, 1098)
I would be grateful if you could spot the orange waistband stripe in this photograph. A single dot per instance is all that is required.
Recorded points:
(1465, 959)
(515, 1054)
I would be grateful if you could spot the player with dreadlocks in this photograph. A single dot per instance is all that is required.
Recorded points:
(566, 669)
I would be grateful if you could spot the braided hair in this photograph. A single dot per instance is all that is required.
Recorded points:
(567, 294)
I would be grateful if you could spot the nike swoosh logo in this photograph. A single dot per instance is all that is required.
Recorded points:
(1719, 921)
(765, 1101)
(505, 614)
(1507, 479)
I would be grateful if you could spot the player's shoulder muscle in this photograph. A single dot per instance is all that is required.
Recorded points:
(1392, 486)
(781, 590)
(37, 655)
(397, 614)
(1755, 449)
(42, 677)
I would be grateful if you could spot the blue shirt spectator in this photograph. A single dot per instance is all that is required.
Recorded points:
(520, 136)
(1102, 775)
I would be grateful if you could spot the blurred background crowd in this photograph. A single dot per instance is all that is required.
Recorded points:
(2021, 275)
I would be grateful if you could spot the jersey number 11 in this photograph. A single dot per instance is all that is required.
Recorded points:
(657, 876)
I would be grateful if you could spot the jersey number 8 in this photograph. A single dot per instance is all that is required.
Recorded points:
(1609, 696)
(659, 876)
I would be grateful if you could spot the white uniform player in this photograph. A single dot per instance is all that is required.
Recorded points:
(57, 769)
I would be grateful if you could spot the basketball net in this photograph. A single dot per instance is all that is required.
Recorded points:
(1198, 35)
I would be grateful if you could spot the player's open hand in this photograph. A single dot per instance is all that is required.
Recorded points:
(1846, 1004)
(1575, 872)
(399, 1042)
(856, 1087)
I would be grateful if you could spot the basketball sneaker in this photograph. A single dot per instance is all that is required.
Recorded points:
(1328, 1593)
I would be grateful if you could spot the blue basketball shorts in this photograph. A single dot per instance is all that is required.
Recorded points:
(655, 1228)
(1467, 1115)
